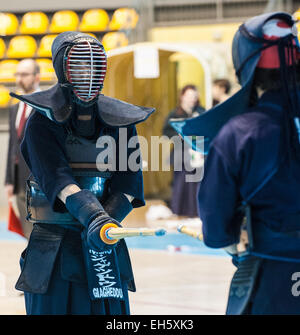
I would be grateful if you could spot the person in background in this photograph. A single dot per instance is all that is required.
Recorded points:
(184, 194)
(220, 90)
(27, 80)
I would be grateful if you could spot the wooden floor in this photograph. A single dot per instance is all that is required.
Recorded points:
(168, 282)
(178, 284)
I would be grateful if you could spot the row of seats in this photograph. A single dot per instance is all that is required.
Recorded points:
(8, 70)
(7, 75)
(24, 46)
(66, 20)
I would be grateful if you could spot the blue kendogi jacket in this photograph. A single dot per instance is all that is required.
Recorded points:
(247, 164)
(44, 151)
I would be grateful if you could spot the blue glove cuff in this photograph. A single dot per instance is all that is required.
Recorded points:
(118, 206)
(84, 206)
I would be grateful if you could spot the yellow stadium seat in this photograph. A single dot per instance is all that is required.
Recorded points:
(47, 72)
(34, 23)
(64, 20)
(9, 24)
(44, 49)
(93, 35)
(21, 47)
(4, 96)
(124, 18)
(296, 15)
(8, 70)
(2, 48)
(94, 20)
(114, 40)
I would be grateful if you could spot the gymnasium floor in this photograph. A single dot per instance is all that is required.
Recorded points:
(175, 274)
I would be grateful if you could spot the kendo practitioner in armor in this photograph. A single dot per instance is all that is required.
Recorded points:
(67, 268)
(252, 170)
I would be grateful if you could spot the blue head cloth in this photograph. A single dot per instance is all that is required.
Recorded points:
(247, 46)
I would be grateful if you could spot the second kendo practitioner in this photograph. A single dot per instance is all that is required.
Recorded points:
(252, 172)
(67, 268)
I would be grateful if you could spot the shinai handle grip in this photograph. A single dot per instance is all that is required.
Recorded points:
(188, 231)
(110, 233)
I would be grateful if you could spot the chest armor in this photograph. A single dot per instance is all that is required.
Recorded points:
(82, 157)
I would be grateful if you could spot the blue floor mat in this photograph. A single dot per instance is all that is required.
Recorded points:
(5, 234)
(172, 242)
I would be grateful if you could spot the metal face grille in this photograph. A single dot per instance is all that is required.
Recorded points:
(86, 69)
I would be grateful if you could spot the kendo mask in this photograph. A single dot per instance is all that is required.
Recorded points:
(80, 64)
(259, 41)
(254, 46)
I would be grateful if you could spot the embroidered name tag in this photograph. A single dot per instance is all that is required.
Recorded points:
(104, 276)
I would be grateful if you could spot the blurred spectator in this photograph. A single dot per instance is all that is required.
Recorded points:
(27, 80)
(184, 194)
(220, 90)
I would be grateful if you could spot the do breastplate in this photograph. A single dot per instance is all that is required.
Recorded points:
(82, 157)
